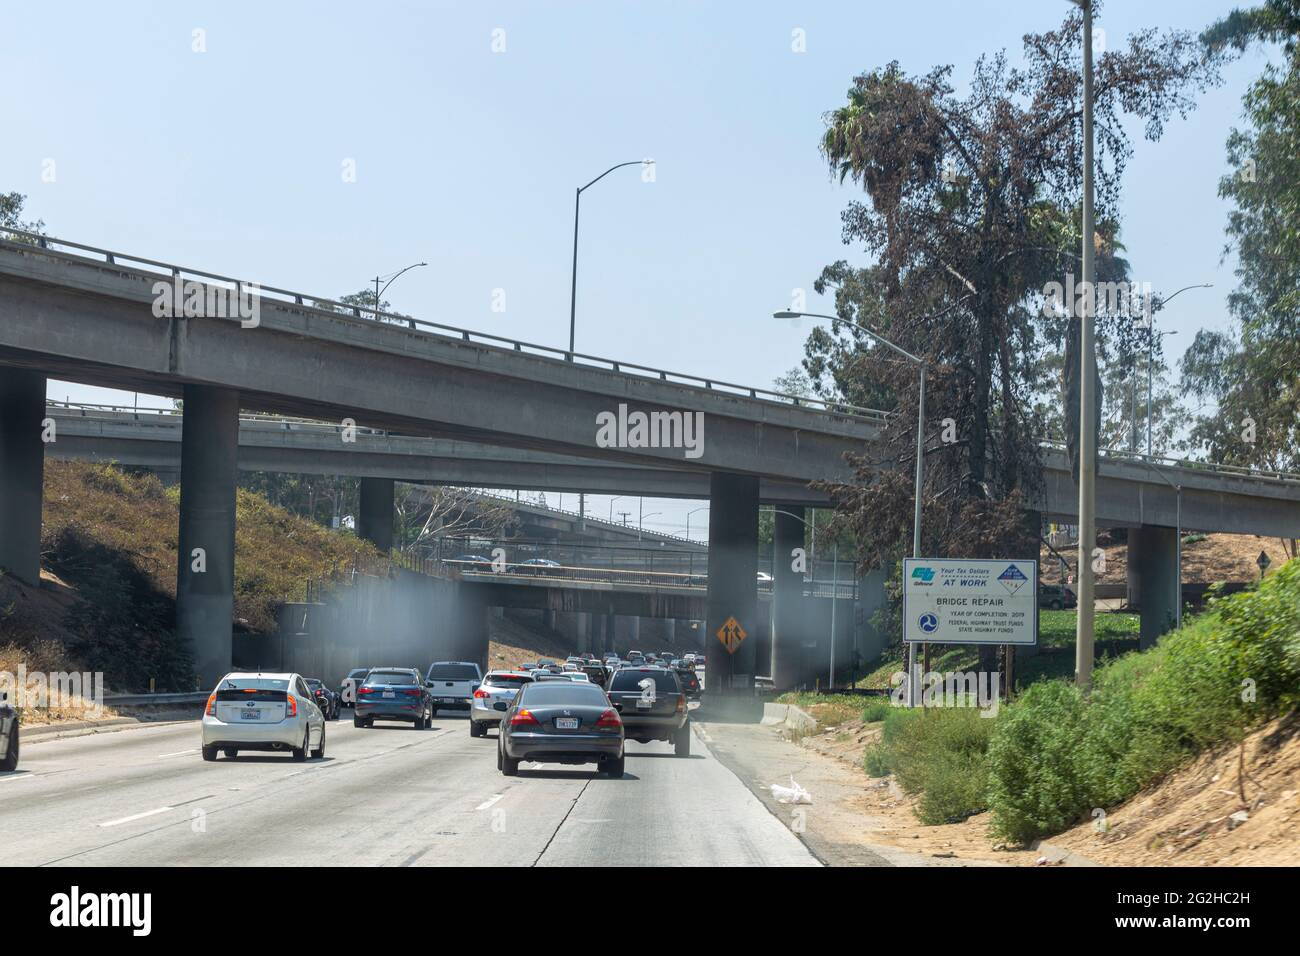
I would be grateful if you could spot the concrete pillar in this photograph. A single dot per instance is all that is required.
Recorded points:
(1153, 576)
(375, 521)
(205, 565)
(787, 597)
(583, 626)
(22, 472)
(733, 581)
(548, 619)
(611, 631)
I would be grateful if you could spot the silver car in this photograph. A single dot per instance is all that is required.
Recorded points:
(250, 711)
(498, 688)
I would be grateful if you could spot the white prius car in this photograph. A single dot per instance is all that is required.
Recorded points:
(263, 712)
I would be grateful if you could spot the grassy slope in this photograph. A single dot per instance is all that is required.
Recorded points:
(108, 545)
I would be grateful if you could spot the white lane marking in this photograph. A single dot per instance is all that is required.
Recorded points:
(487, 803)
(179, 753)
(136, 816)
(21, 776)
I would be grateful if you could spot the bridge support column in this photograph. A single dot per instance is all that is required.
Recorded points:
(22, 472)
(205, 565)
(1153, 579)
(733, 582)
(787, 597)
(375, 521)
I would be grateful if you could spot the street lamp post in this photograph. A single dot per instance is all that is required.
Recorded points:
(920, 438)
(688, 518)
(391, 279)
(1156, 305)
(577, 205)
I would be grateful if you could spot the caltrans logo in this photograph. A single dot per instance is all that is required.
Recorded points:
(924, 575)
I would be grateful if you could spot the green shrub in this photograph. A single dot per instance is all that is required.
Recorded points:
(876, 710)
(1055, 755)
(938, 753)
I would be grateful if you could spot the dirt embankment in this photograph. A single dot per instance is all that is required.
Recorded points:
(1236, 806)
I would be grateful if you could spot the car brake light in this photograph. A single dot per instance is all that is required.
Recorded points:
(480, 693)
(212, 704)
(609, 718)
(681, 704)
(413, 692)
(524, 718)
(290, 706)
(365, 690)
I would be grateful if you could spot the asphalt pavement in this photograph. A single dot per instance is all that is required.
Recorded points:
(387, 796)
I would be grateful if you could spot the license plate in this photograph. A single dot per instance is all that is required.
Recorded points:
(642, 704)
(250, 715)
(388, 695)
(447, 700)
(566, 723)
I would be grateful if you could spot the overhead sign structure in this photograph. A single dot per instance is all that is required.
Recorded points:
(731, 634)
(970, 601)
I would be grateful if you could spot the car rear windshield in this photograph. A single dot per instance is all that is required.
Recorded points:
(252, 688)
(453, 672)
(359, 672)
(507, 680)
(392, 677)
(665, 681)
(561, 692)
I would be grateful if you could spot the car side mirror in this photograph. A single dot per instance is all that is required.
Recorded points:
(501, 705)
(428, 683)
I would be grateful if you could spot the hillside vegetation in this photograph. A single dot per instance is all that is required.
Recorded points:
(108, 549)
(1053, 757)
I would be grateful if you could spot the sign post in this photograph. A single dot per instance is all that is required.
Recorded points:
(970, 601)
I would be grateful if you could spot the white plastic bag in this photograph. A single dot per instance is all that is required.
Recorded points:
(791, 794)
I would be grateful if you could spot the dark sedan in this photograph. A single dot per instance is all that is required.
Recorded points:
(8, 734)
(560, 721)
(328, 701)
(653, 706)
(393, 693)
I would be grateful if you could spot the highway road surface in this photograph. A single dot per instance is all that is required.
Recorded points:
(387, 796)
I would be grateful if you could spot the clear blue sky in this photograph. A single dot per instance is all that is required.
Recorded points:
(230, 160)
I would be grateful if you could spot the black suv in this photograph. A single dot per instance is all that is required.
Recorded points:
(653, 706)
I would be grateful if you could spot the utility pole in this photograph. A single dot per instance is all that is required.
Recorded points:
(1084, 635)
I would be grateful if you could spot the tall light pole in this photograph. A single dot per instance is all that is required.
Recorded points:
(1158, 303)
(577, 206)
(573, 284)
(688, 518)
(392, 277)
(920, 436)
(1085, 622)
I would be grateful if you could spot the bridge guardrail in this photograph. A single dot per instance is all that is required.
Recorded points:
(487, 339)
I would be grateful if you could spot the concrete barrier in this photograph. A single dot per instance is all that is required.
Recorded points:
(790, 717)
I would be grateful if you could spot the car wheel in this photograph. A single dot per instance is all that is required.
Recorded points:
(10, 761)
(209, 753)
(613, 768)
(300, 753)
(509, 767)
(1056, 605)
(319, 752)
(476, 729)
(231, 753)
(357, 721)
(433, 712)
(682, 741)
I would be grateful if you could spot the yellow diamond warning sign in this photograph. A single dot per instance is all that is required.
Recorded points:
(731, 634)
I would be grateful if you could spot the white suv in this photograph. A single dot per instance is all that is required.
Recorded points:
(451, 684)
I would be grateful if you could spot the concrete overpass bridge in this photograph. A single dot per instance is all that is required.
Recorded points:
(533, 416)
